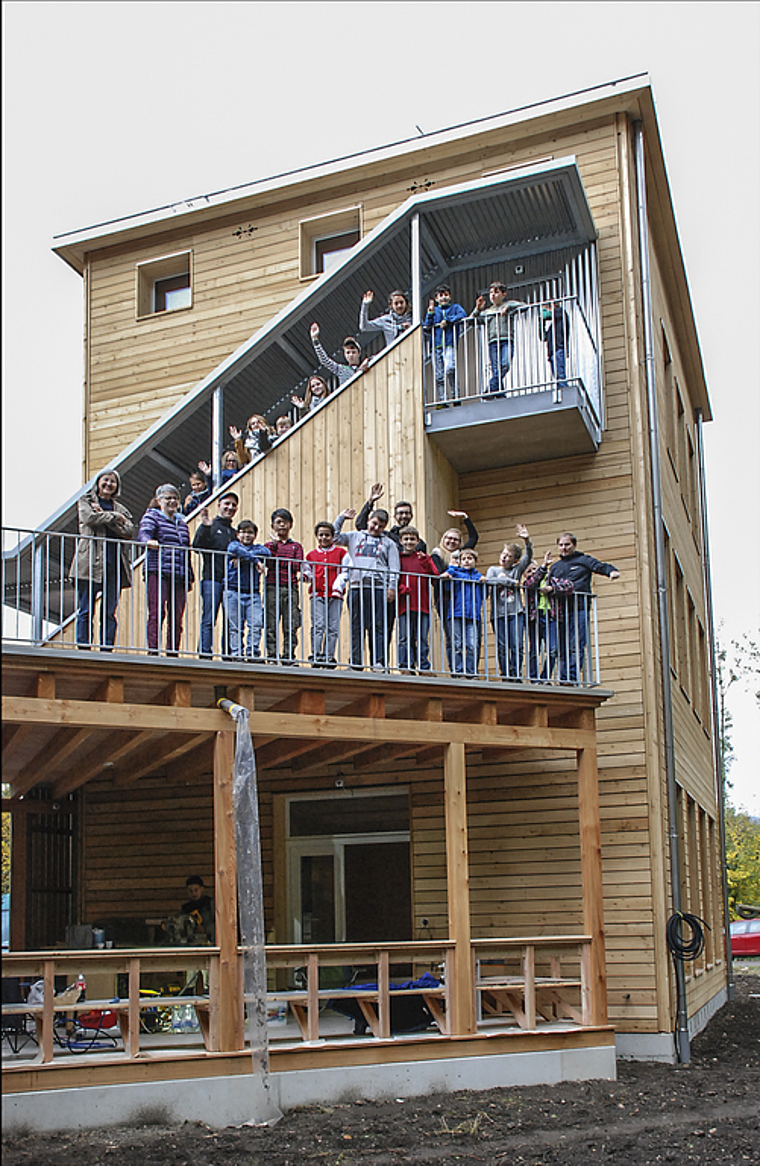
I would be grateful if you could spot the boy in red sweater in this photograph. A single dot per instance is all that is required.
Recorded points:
(414, 603)
(327, 584)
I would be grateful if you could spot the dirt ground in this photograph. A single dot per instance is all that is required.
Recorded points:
(705, 1114)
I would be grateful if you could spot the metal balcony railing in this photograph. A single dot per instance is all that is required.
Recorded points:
(537, 348)
(110, 595)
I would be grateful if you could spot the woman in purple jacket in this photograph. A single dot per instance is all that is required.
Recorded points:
(168, 572)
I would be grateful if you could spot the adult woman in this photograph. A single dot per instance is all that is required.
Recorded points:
(168, 573)
(443, 556)
(317, 389)
(102, 564)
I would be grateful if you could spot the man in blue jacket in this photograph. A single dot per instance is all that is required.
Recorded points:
(443, 321)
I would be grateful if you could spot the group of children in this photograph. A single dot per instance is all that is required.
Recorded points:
(538, 612)
(444, 322)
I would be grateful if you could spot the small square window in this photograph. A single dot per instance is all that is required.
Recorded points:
(164, 285)
(326, 239)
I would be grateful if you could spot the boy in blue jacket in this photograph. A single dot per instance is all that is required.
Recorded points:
(443, 321)
(465, 612)
(242, 601)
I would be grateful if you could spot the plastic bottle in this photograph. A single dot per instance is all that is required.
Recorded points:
(81, 983)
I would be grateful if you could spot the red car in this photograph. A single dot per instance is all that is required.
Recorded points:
(745, 937)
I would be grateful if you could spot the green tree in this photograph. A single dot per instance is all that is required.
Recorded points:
(742, 859)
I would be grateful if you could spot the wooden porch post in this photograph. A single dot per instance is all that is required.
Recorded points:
(19, 880)
(226, 997)
(591, 876)
(461, 998)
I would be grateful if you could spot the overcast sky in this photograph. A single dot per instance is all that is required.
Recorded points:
(114, 108)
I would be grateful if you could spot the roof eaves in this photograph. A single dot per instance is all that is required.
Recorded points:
(71, 246)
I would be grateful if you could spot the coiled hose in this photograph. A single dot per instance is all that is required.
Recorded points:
(685, 949)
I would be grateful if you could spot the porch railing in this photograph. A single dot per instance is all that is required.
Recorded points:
(105, 594)
(522, 982)
(541, 348)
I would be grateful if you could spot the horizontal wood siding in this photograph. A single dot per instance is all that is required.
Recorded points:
(138, 369)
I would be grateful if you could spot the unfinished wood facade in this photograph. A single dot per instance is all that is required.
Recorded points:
(154, 814)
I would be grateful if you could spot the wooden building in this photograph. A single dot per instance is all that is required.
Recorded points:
(457, 820)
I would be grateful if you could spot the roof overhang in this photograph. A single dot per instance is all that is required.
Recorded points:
(599, 100)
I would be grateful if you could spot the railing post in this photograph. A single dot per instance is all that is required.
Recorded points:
(133, 996)
(312, 991)
(217, 435)
(38, 591)
(416, 265)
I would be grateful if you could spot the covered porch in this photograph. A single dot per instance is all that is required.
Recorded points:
(69, 720)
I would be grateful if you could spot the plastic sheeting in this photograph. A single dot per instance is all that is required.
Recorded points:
(251, 912)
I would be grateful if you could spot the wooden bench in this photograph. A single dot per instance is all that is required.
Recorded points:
(550, 998)
(305, 1006)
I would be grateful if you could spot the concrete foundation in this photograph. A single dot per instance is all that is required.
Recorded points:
(225, 1101)
(660, 1046)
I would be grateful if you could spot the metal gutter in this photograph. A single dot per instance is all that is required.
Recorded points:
(682, 1020)
(720, 776)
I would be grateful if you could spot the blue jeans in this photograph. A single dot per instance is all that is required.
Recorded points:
(444, 360)
(465, 642)
(413, 640)
(500, 355)
(88, 591)
(211, 600)
(510, 631)
(241, 608)
(557, 365)
(567, 642)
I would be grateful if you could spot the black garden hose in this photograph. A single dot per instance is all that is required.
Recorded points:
(683, 950)
(689, 949)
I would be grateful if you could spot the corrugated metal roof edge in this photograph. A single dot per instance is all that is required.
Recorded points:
(70, 245)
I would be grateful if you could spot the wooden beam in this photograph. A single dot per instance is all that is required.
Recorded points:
(461, 996)
(28, 806)
(226, 1003)
(101, 760)
(176, 695)
(592, 888)
(308, 701)
(482, 712)
(372, 705)
(111, 689)
(88, 714)
(14, 735)
(422, 710)
(63, 744)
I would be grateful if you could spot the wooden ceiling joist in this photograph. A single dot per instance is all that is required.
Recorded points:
(53, 756)
(156, 757)
(100, 760)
